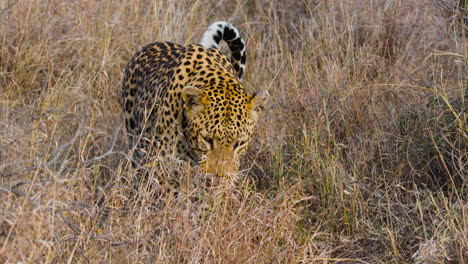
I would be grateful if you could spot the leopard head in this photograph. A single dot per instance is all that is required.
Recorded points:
(220, 123)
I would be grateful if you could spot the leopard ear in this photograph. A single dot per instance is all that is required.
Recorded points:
(257, 103)
(194, 99)
(259, 100)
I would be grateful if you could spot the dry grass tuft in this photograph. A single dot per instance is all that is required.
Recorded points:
(361, 157)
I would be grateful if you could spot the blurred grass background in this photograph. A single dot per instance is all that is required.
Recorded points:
(361, 156)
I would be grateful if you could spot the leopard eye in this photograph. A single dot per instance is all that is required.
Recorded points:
(209, 141)
(239, 144)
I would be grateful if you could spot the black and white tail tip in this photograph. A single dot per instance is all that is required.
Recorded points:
(224, 31)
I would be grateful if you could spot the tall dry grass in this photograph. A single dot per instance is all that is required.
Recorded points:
(361, 156)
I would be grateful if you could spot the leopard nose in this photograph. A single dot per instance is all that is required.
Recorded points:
(220, 168)
(225, 168)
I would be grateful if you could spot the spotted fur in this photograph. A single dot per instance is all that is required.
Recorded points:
(188, 102)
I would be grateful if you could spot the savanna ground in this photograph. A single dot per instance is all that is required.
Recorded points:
(361, 156)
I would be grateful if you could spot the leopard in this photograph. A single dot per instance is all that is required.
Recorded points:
(188, 102)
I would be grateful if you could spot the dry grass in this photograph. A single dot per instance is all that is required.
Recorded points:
(361, 156)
